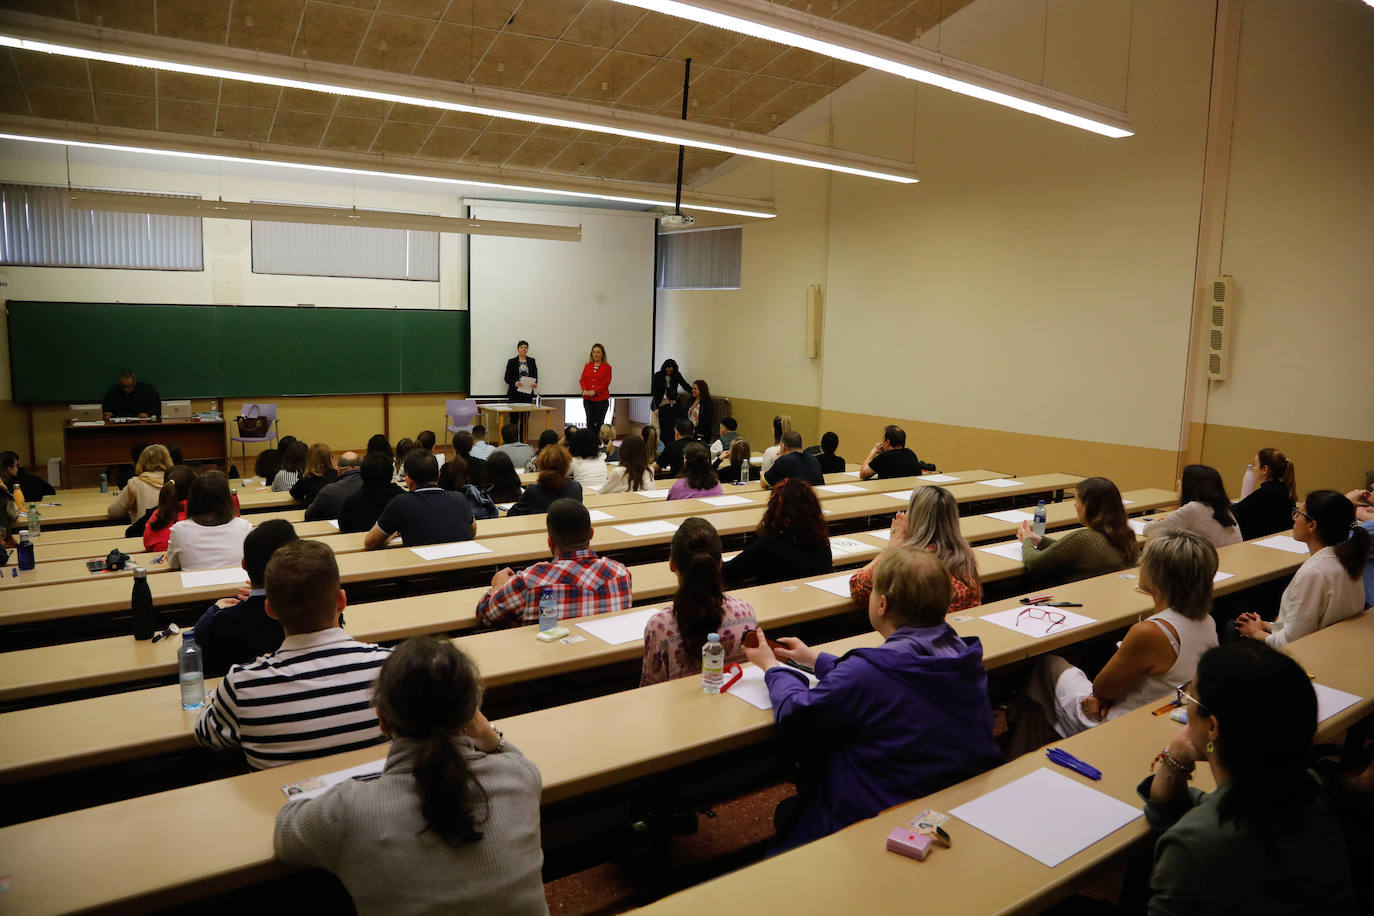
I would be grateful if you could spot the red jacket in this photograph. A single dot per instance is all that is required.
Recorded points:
(598, 379)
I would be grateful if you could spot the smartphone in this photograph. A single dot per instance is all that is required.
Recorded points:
(751, 641)
(95, 566)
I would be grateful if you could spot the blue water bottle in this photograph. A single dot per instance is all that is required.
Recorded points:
(25, 551)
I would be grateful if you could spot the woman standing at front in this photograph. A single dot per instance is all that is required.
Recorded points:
(596, 387)
(521, 367)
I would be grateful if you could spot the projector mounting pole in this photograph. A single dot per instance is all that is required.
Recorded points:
(682, 150)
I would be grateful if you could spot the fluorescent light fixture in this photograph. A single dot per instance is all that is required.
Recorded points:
(319, 216)
(649, 201)
(778, 23)
(176, 56)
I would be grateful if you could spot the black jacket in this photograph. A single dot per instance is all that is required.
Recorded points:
(513, 376)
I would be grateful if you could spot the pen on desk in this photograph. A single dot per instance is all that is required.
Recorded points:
(157, 560)
(1061, 604)
(1069, 761)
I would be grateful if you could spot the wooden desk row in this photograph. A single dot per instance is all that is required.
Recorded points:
(143, 852)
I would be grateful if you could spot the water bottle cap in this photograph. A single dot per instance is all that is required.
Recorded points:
(713, 637)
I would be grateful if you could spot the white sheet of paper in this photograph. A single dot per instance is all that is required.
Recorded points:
(726, 501)
(318, 785)
(1038, 628)
(653, 494)
(620, 629)
(939, 478)
(844, 546)
(752, 689)
(1283, 542)
(234, 575)
(835, 585)
(1222, 576)
(448, 551)
(638, 529)
(841, 488)
(1001, 482)
(1015, 516)
(1009, 549)
(1128, 502)
(1331, 701)
(850, 473)
(333, 521)
(1137, 525)
(1028, 815)
(504, 507)
(597, 515)
(758, 461)
(902, 496)
(884, 534)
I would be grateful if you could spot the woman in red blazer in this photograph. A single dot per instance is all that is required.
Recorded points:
(596, 387)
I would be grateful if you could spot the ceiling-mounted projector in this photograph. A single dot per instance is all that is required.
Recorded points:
(676, 219)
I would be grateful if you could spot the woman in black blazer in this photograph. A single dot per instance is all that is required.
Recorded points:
(519, 365)
(702, 411)
(667, 385)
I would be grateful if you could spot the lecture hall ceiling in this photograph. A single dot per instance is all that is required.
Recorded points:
(592, 51)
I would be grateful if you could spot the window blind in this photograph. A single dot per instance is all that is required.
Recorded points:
(700, 258)
(308, 250)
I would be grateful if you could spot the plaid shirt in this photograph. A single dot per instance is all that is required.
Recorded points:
(583, 584)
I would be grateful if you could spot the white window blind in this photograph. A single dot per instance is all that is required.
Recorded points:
(38, 229)
(700, 258)
(308, 250)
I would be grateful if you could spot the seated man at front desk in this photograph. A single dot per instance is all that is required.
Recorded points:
(131, 398)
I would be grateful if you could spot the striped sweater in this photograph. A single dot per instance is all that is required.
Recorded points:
(309, 698)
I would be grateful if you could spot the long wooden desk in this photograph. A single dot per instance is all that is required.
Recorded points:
(90, 448)
(142, 852)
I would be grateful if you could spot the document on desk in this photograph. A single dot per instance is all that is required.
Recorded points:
(1283, 542)
(449, 551)
(334, 522)
(1222, 577)
(939, 478)
(752, 689)
(1015, 516)
(1010, 549)
(1331, 701)
(900, 495)
(312, 786)
(621, 629)
(835, 585)
(1001, 482)
(597, 515)
(1028, 814)
(842, 488)
(1038, 622)
(840, 547)
(882, 534)
(641, 529)
(1138, 525)
(654, 494)
(233, 575)
(726, 501)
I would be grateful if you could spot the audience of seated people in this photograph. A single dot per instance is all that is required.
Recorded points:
(553, 483)
(211, 535)
(669, 462)
(427, 513)
(235, 631)
(791, 541)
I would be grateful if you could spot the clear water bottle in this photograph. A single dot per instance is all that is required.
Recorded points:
(35, 521)
(548, 610)
(192, 669)
(1039, 524)
(26, 559)
(712, 664)
(744, 470)
(141, 606)
(104, 483)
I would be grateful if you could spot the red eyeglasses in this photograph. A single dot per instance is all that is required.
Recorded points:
(1045, 615)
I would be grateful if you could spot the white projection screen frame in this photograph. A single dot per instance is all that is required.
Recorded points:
(562, 297)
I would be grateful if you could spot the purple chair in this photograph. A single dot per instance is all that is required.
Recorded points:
(459, 415)
(260, 410)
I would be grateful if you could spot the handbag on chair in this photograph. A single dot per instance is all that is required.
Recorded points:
(255, 426)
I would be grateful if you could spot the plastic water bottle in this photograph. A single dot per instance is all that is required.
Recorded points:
(744, 470)
(26, 559)
(1039, 524)
(192, 669)
(104, 483)
(548, 610)
(35, 521)
(712, 664)
(141, 605)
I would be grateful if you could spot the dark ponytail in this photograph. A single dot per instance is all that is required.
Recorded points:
(1280, 469)
(174, 491)
(699, 605)
(1334, 516)
(428, 691)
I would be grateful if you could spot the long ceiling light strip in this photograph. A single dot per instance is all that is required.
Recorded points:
(15, 133)
(327, 216)
(170, 55)
(780, 24)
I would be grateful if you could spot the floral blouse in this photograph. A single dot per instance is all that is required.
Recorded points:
(966, 594)
(665, 653)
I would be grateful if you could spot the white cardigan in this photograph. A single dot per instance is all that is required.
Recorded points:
(1321, 593)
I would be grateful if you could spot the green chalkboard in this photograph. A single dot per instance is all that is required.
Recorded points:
(72, 351)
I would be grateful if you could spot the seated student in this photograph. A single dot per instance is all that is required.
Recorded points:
(9, 505)
(890, 457)
(266, 465)
(33, 486)
(702, 411)
(328, 503)
(633, 473)
(379, 443)
(781, 424)
(428, 514)
(649, 433)
(312, 696)
(1265, 840)
(725, 438)
(674, 636)
(669, 464)
(607, 436)
(404, 446)
(930, 522)
(734, 462)
(452, 825)
(890, 723)
(582, 582)
(234, 631)
(829, 461)
(791, 541)
(793, 462)
(211, 536)
(171, 508)
(552, 484)
(318, 473)
(1159, 653)
(1363, 501)
(293, 458)
(481, 448)
(1104, 545)
(546, 438)
(425, 439)
(503, 483)
(588, 464)
(1205, 508)
(361, 510)
(140, 495)
(520, 453)
(474, 466)
(1328, 587)
(454, 476)
(1269, 508)
(697, 478)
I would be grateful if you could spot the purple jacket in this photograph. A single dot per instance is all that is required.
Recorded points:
(890, 724)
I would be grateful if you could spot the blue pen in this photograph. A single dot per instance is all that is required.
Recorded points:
(1067, 760)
